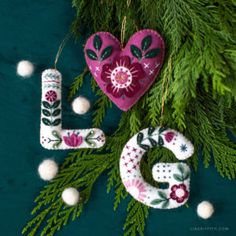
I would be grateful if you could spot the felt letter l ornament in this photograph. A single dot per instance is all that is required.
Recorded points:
(52, 136)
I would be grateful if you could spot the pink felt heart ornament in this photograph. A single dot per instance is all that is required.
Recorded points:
(125, 74)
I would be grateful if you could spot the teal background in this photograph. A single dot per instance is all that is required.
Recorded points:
(33, 30)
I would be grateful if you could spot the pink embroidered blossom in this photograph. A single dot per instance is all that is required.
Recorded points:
(73, 140)
(169, 136)
(179, 193)
(51, 96)
(122, 77)
(136, 188)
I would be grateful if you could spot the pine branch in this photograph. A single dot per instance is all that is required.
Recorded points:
(135, 221)
(209, 133)
(78, 82)
(102, 104)
(135, 120)
(51, 212)
(120, 194)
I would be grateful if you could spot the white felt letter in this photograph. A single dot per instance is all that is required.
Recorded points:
(52, 136)
(176, 175)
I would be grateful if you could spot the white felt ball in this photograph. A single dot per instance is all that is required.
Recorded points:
(205, 209)
(25, 68)
(80, 105)
(70, 196)
(48, 169)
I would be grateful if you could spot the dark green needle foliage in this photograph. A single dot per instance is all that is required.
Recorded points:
(197, 82)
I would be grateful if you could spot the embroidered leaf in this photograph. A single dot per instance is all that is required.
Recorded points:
(56, 112)
(150, 130)
(56, 144)
(180, 168)
(91, 54)
(162, 129)
(140, 138)
(160, 141)
(186, 176)
(156, 201)
(90, 134)
(46, 121)
(56, 104)
(56, 135)
(152, 53)
(153, 142)
(106, 53)
(146, 42)
(46, 104)
(88, 138)
(56, 122)
(144, 146)
(89, 142)
(165, 204)
(162, 195)
(136, 52)
(178, 177)
(97, 42)
(46, 112)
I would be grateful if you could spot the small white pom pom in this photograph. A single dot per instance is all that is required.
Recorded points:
(80, 105)
(48, 169)
(205, 209)
(70, 196)
(25, 68)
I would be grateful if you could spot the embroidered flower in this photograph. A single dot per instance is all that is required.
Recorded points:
(51, 96)
(179, 193)
(122, 77)
(136, 188)
(73, 140)
(169, 136)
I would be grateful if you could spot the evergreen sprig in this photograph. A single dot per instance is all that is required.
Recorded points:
(80, 170)
(78, 82)
(198, 84)
(135, 221)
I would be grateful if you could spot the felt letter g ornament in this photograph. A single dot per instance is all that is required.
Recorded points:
(177, 175)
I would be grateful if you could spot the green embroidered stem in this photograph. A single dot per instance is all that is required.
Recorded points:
(50, 111)
(58, 139)
(90, 137)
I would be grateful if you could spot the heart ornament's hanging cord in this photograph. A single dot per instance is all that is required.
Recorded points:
(123, 25)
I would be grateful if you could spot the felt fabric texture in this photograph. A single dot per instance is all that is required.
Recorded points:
(33, 30)
(125, 74)
(25, 69)
(177, 175)
(81, 105)
(52, 136)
